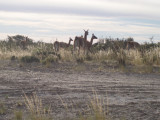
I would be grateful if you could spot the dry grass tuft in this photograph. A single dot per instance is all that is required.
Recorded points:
(96, 108)
(36, 110)
(18, 115)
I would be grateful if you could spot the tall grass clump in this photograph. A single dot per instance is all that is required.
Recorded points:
(36, 109)
(152, 57)
(101, 55)
(121, 57)
(110, 56)
(18, 115)
(145, 57)
(66, 55)
(8, 54)
(134, 57)
(97, 110)
(137, 57)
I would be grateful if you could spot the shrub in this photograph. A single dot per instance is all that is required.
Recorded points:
(29, 59)
(42, 54)
(13, 58)
(80, 60)
(50, 59)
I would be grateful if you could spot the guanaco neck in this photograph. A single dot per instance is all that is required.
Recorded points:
(69, 42)
(85, 37)
(91, 40)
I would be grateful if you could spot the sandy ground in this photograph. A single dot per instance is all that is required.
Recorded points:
(129, 96)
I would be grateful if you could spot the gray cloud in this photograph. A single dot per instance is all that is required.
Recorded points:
(111, 9)
(60, 18)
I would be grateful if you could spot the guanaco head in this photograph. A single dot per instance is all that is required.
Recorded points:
(86, 32)
(70, 39)
(94, 37)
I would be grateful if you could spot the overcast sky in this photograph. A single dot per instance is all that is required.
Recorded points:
(47, 20)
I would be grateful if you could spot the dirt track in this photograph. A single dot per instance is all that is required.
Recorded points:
(131, 96)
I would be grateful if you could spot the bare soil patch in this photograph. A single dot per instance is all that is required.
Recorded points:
(130, 96)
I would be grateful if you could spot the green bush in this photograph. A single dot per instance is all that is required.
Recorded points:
(29, 59)
(43, 54)
(80, 60)
(50, 59)
(13, 58)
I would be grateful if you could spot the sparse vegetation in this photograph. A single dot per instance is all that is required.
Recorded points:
(36, 109)
(2, 108)
(96, 109)
(18, 115)
(110, 50)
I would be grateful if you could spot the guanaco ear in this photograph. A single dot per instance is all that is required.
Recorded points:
(88, 30)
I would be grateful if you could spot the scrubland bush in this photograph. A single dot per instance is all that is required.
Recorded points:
(13, 58)
(80, 60)
(29, 59)
(50, 59)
